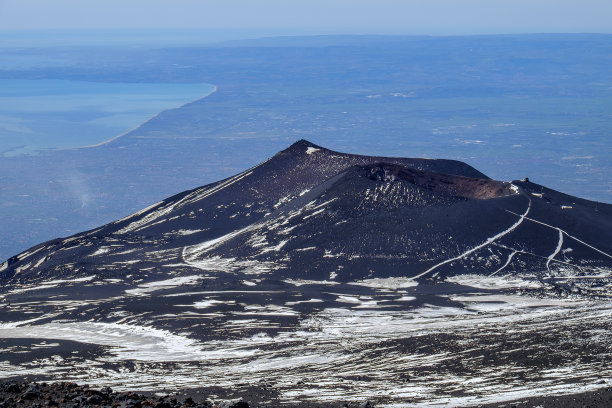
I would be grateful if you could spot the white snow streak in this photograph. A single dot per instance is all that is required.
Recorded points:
(490, 282)
(101, 251)
(149, 287)
(198, 249)
(476, 248)
(386, 283)
(557, 250)
(130, 341)
(566, 233)
(506, 264)
(194, 196)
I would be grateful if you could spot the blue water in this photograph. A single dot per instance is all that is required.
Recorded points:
(51, 114)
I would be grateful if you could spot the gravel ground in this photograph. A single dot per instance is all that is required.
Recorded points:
(601, 398)
(20, 394)
(38, 395)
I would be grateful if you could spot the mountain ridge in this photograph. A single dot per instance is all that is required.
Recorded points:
(354, 189)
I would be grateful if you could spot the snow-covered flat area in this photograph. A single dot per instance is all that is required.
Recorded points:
(385, 342)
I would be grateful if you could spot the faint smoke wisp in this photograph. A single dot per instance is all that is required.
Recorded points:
(78, 187)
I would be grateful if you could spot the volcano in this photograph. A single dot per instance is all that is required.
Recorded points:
(326, 276)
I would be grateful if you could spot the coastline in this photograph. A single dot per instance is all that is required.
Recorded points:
(112, 139)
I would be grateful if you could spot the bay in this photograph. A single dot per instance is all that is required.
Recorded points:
(60, 114)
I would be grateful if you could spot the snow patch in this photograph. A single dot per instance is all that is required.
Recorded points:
(27, 254)
(205, 304)
(130, 341)
(282, 201)
(305, 249)
(493, 282)
(278, 247)
(302, 282)
(198, 249)
(150, 287)
(246, 266)
(314, 213)
(23, 267)
(267, 310)
(386, 283)
(188, 231)
(297, 302)
(101, 251)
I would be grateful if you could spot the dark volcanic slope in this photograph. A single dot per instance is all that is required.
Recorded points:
(343, 216)
(219, 208)
(322, 262)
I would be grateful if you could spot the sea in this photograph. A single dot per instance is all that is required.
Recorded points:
(40, 114)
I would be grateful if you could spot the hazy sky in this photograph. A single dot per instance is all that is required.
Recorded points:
(278, 17)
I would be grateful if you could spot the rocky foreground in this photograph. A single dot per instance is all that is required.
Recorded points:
(66, 394)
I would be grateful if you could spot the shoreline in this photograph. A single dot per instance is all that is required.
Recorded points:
(112, 139)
